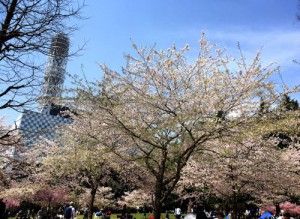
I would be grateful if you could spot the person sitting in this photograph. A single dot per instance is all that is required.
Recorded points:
(98, 214)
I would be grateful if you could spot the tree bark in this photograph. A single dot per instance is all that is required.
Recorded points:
(5, 25)
(190, 206)
(157, 200)
(91, 203)
(277, 209)
(235, 208)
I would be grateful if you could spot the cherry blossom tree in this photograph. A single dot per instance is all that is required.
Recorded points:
(9, 143)
(290, 207)
(241, 172)
(135, 198)
(247, 168)
(284, 128)
(51, 197)
(285, 206)
(20, 192)
(104, 197)
(82, 162)
(162, 108)
(11, 203)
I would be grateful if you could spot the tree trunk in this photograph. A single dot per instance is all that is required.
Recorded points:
(190, 206)
(157, 209)
(277, 209)
(235, 208)
(91, 203)
(157, 200)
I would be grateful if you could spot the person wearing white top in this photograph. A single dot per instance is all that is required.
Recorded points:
(177, 213)
(73, 211)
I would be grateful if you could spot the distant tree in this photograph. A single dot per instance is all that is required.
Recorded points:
(283, 130)
(135, 198)
(104, 197)
(51, 197)
(263, 108)
(287, 110)
(288, 104)
(9, 142)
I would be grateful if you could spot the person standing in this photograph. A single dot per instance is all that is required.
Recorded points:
(124, 210)
(73, 210)
(2, 209)
(200, 212)
(42, 213)
(177, 213)
(68, 212)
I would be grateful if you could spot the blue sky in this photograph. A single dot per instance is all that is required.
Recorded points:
(111, 24)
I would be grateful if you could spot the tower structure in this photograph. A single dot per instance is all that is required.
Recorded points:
(55, 71)
(33, 126)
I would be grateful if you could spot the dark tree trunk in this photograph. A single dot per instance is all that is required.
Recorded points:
(235, 207)
(277, 209)
(157, 205)
(91, 203)
(157, 209)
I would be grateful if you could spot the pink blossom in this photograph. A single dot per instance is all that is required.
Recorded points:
(290, 207)
(270, 208)
(285, 206)
(46, 196)
(11, 203)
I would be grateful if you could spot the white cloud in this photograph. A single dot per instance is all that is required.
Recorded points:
(281, 46)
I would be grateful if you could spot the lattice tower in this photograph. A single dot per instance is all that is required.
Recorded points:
(55, 71)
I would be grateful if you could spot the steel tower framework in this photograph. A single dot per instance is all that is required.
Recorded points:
(55, 71)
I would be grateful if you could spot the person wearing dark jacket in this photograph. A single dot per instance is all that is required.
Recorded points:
(200, 214)
(68, 212)
(2, 209)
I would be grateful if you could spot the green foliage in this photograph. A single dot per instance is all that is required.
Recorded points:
(288, 104)
(264, 108)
